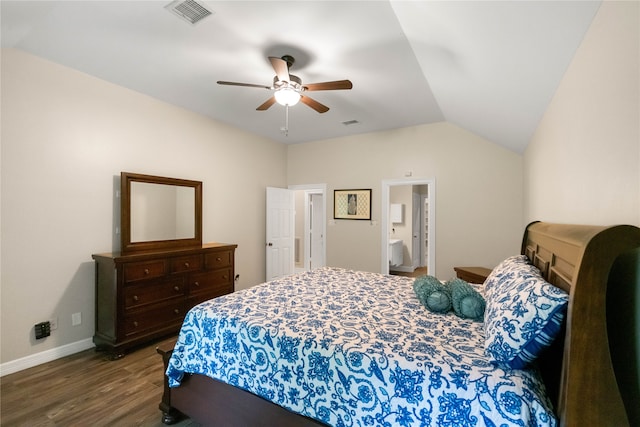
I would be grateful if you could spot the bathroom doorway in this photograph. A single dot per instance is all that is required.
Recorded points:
(310, 226)
(415, 227)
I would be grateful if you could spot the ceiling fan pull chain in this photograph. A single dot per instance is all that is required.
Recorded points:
(286, 121)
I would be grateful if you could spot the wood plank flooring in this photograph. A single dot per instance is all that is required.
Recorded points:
(420, 271)
(87, 389)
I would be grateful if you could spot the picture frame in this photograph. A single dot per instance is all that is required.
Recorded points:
(352, 204)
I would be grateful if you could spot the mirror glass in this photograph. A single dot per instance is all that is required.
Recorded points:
(159, 213)
(162, 212)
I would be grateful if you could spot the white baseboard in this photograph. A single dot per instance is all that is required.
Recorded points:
(45, 356)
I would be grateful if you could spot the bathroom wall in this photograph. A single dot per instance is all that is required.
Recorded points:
(401, 194)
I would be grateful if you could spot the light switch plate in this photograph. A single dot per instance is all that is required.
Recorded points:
(76, 319)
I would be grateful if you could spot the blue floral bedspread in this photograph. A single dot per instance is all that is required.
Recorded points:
(353, 348)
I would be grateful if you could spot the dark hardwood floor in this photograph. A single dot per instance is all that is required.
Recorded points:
(87, 389)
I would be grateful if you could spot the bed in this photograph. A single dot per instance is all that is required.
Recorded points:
(340, 347)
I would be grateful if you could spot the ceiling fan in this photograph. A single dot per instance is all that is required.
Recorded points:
(288, 89)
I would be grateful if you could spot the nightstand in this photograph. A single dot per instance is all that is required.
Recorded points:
(472, 274)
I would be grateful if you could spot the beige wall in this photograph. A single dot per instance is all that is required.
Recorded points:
(478, 208)
(66, 137)
(583, 163)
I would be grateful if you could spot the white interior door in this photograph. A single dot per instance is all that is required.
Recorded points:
(316, 232)
(280, 232)
(424, 202)
(416, 230)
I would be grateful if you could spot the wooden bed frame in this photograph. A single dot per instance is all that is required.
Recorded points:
(578, 369)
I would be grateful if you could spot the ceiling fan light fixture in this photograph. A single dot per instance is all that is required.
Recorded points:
(287, 96)
(287, 88)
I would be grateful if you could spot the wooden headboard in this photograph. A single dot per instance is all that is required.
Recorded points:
(578, 370)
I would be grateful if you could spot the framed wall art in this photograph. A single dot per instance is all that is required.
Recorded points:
(352, 204)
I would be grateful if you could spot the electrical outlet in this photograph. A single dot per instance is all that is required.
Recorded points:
(53, 322)
(42, 330)
(76, 319)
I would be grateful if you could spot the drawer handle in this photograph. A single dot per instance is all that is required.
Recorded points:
(218, 259)
(135, 324)
(176, 288)
(186, 265)
(196, 283)
(135, 298)
(176, 311)
(146, 271)
(225, 277)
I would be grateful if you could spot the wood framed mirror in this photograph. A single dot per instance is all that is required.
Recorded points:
(159, 213)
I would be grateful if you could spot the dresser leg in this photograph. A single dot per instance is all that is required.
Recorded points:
(111, 353)
(171, 417)
(116, 355)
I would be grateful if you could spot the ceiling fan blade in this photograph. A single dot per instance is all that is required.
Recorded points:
(336, 85)
(281, 68)
(266, 104)
(220, 82)
(320, 108)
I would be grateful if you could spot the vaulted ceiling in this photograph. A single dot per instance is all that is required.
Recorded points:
(490, 67)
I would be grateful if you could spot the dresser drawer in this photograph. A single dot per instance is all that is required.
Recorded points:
(154, 318)
(211, 282)
(185, 264)
(144, 270)
(218, 259)
(146, 293)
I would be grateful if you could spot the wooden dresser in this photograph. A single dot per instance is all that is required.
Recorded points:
(142, 296)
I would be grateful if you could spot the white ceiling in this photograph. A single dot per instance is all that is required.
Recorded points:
(490, 67)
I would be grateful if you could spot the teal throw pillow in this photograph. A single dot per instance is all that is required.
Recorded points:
(433, 294)
(467, 302)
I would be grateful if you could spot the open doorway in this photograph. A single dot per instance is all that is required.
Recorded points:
(408, 214)
(310, 226)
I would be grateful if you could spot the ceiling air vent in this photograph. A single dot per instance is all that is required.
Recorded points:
(189, 10)
(350, 122)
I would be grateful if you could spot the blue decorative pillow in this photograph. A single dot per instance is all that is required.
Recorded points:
(524, 314)
(433, 294)
(466, 301)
